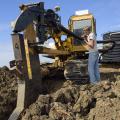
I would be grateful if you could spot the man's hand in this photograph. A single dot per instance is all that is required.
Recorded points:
(90, 43)
(86, 41)
(84, 36)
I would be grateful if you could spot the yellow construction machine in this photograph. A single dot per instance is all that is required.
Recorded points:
(47, 24)
(32, 28)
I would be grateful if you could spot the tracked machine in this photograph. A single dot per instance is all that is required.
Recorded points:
(32, 28)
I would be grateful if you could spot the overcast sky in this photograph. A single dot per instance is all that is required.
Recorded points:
(106, 13)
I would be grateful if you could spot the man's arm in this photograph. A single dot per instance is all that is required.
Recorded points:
(90, 43)
(91, 40)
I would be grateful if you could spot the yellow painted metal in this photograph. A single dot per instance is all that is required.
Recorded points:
(69, 43)
(50, 51)
(28, 59)
(80, 48)
(58, 42)
(29, 34)
(81, 17)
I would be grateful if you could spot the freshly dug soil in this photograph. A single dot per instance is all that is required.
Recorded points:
(65, 100)
(74, 102)
(68, 100)
(8, 91)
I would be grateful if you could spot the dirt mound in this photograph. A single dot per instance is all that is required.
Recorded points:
(8, 91)
(78, 102)
(65, 100)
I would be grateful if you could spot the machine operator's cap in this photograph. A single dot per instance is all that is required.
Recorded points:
(87, 28)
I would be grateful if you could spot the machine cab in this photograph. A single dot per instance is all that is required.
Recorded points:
(80, 20)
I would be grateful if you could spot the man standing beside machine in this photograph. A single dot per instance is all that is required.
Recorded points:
(93, 67)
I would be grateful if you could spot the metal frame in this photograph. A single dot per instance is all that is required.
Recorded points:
(28, 66)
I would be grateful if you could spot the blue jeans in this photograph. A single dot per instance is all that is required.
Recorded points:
(93, 67)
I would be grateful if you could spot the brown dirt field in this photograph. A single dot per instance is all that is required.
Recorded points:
(66, 100)
(8, 92)
(70, 101)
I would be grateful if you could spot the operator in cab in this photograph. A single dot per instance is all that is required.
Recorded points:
(93, 66)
